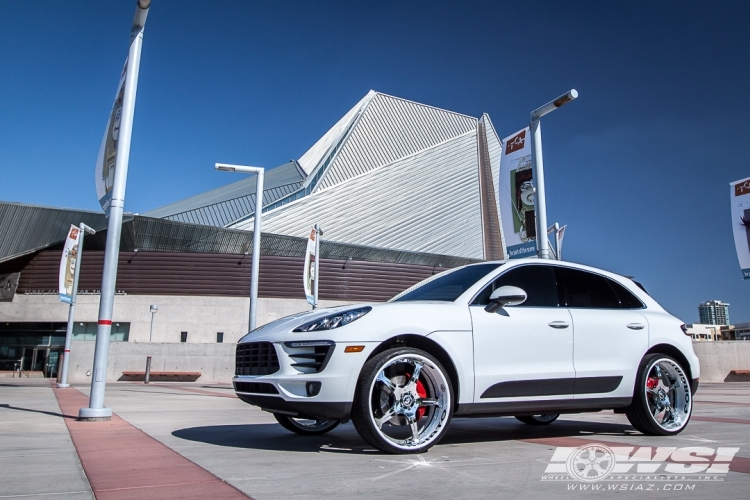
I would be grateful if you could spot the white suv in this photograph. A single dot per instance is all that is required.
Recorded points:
(528, 338)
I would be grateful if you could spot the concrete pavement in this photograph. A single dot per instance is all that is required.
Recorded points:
(479, 458)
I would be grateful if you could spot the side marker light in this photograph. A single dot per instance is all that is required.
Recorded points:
(354, 348)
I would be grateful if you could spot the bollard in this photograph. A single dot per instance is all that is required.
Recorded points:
(148, 369)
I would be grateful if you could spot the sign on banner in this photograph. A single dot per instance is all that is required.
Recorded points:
(68, 265)
(739, 194)
(309, 272)
(516, 195)
(107, 158)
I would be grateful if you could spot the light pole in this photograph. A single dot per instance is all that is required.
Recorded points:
(256, 232)
(154, 310)
(540, 201)
(71, 311)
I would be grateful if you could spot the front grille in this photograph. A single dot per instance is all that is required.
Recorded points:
(256, 387)
(256, 358)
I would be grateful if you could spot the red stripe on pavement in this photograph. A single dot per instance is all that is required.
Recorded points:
(721, 420)
(105, 322)
(122, 462)
(738, 464)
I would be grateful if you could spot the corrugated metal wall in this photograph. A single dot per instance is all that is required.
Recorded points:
(164, 273)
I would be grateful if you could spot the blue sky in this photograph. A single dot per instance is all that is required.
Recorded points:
(638, 167)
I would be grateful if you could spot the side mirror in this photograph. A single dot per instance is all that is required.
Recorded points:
(505, 296)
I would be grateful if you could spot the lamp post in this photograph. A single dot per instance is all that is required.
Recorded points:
(154, 309)
(71, 311)
(540, 201)
(256, 232)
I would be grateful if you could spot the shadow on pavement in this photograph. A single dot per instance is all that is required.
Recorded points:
(54, 414)
(344, 439)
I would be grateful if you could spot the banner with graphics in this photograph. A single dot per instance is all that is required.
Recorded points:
(105, 161)
(309, 272)
(68, 265)
(739, 194)
(516, 195)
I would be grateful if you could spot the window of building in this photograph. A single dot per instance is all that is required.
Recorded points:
(538, 282)
(219, 337)
(87, 331)
(183, 336)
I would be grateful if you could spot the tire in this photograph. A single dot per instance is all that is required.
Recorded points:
(662, 401)
(538, 419)
(306, 427)
(397, 413)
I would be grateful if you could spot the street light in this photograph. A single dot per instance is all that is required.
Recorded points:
(542, 245)
(154, 310)
(256, 232)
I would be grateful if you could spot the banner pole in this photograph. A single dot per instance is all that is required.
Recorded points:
(318, 234)
(96, 410)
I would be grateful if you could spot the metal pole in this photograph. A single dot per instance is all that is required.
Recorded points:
(318, 234)
(96, 410)
(259, 171)
(153, 308)
(148, 370)
(71, 310)
(540, 200)
(557, 241)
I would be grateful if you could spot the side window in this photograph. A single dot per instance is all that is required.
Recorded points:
(584, 289)
(627, 299)
(538, 282)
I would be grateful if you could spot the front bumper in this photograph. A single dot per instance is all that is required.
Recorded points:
(288, 389)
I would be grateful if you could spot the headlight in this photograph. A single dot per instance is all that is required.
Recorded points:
(334, 320)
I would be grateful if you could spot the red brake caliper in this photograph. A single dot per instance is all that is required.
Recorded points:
(422, 394)
(652, 382)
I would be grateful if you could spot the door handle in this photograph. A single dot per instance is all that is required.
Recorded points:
(559, 324)
(636, 326)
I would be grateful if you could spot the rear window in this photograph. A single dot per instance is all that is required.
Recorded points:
(447, 287)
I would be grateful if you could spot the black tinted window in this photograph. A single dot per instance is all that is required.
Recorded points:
(537, 281)
(627, 299)
(584, 289)
(450, 286)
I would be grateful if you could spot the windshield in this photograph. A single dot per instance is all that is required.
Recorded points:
(446, 286)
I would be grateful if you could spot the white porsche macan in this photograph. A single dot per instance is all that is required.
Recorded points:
(526, 338)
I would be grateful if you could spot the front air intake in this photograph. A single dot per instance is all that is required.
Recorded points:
(256, 358)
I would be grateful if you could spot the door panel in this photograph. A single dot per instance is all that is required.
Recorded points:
(518, 355)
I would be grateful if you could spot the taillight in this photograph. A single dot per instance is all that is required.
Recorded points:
(684, 329)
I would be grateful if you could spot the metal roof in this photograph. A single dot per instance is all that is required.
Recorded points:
(426, 202)
(226, 204)
(391, 128)
(25, 229)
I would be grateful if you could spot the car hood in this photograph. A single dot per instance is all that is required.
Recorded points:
(383, 321)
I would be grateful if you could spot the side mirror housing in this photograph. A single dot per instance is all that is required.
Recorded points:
(505, 296)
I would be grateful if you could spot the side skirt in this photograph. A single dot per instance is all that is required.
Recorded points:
(512, 408)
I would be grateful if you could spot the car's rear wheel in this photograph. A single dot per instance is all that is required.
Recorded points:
(304, 426)
(403, 402)
(662, 401)
(538, 419)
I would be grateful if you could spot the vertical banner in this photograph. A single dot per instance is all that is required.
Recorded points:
(68, 265)
(107, 158)
(739, 194)
(516, 195)
(308, 275)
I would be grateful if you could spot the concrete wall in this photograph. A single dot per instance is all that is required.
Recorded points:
(215, 361)
(719, 358)
(200, 316)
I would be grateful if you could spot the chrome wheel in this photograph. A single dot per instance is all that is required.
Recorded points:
(668, 394)
(404, 403)
(305, 426)
(662, 400)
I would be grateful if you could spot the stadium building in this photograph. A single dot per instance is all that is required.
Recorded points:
(403, 190)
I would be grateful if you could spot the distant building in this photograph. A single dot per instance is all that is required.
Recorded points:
(740, 331)
(714, 312)
(702, 333)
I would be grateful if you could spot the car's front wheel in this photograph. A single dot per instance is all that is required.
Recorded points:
(538, 419)
(662, 402)
(403, 402)
(304, 426)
